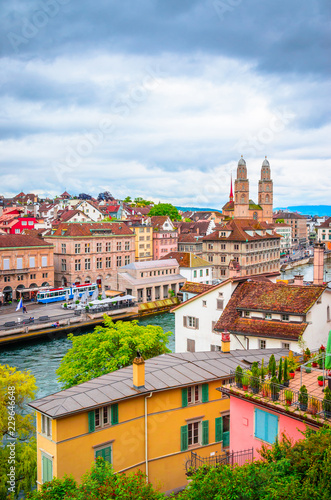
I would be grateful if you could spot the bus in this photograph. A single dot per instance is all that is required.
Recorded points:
(57, 294)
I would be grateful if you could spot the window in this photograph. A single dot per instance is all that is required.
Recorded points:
(24, 223)
(77, 265)
(266, 426)
(63, 265)
(127, 245)
(44, 261)
(215, 348)
(103, 417)
(20, 277)
(262, 344)
(99, 262)
(210, 258)
(247, 314)
(222, 430)
(45, 275)
(32, 262)
(108, 247)
(191, 322)
(17, 231)
(46, 468)
(127, 259)
(118, 261)
(46, 426)
(87, 264)
(207, 272)
(223, 258)
(210, 246)
(119, 246)
(5, 264)
(220, 304)
(99, 247)
(194, 274)
(285, 317)
(108, 262)
(19, 263)
(194, 433)
(77, 247)
(6, 279)
(268, 316)
(236, 247)
(87, 247)
(63, 248)
(105, 453)
(201, 272)
(32, 276)
(30, 223)
(204, 303)
(285, 345)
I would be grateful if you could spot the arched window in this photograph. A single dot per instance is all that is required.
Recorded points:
(255, 215)
(242, 198)
(267, 198)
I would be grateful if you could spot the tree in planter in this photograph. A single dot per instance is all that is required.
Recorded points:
(263, 371)
(303, 398)
(280, 371)
(254, 379)
(274, 386)
(286, 378)
(288, 397)
(272, 366)
(245, 382)
(238, 377)
(327, 403)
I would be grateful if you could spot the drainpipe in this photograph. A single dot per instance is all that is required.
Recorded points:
(146, 436)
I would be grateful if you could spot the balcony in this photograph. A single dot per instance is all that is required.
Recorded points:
(6, 272)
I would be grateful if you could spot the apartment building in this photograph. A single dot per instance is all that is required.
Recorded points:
(91, 252)
(165, 236)
(298, 224)
(252, 245)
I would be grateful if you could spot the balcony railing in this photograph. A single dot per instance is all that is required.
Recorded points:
(234, 459)
(281, 394)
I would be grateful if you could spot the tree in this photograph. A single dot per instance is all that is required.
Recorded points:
(18, 444)
(140, 202)
(109, 348)
(128, 199)
(165, 209)
(99, 483)
(280, 221)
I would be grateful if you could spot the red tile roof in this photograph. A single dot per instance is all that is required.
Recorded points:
(189, 238)
(86, 229)
(239, 231)
(195, 287)
(326, 223)
(187, 259)
(268, 297)
(21, 240)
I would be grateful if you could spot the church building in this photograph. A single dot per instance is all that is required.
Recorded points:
(240, 206)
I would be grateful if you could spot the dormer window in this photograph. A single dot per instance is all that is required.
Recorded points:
(247, 314)
(285, 317)
(268, 316)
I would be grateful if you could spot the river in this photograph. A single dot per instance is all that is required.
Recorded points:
(43, 357)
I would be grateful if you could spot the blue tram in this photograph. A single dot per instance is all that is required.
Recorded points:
(57, 294)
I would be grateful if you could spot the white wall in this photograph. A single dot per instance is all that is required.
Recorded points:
(203, 336)
(317, 332)
(188, 273)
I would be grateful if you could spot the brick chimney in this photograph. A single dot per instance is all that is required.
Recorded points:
(298, 279)
(318, 263)
(225, 341)
(138, 372)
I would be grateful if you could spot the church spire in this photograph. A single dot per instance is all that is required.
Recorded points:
(231, 190)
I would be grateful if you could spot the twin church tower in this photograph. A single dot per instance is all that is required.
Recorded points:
(240, 206)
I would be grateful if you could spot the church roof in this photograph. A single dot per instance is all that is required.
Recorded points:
(254, 206)
(229, 205)
(265, 163)
(241, 162)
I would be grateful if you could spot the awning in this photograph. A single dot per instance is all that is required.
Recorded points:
(109, 301)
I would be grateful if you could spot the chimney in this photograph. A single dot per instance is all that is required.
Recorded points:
(225, 341)
(298, 279)
(318, 263)
(138, 372)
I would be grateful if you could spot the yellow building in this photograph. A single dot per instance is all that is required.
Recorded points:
(143, 242)
(136, 421)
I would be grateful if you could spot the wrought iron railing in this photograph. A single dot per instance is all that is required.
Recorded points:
(281, 394)
(234, 459)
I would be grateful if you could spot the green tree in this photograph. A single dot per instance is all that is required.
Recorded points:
(109, 348)
(128, 199)
(280, 221)
(100, 483)
(165, 209)
(18, 444)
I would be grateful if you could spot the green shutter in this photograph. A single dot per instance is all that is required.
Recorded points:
(114, 414)
(47, 469)
(205, 393)
(98, 454)
(218, 429)
(205, 432)
(91, 421)
(107, 454)
(43, 469)
(184, 438)
(184, 397)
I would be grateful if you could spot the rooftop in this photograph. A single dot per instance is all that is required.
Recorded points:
(21, 240)
(187, 259)
(197, 288)
(150, 264)
(88, 229)
(163, 372)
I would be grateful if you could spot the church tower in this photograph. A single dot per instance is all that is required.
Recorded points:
(266, 192)
(241, 191)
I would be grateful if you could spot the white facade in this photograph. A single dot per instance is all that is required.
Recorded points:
(324, 233)
(285, 231)
(195, 320)
(203, 274)
(90, 210)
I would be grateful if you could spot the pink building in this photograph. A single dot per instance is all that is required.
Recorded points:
(165, 236)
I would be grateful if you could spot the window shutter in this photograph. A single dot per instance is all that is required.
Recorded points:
(99, 453)
(114, 414)
(212, 347)
(205, 432)
(272, 428)
(49, 469)
(184, 438)
(197, 323)
(91, 421)
(184, 320)
(218, 429)
(205, 393)
(184, 397)
(44, 469)
(107, 454)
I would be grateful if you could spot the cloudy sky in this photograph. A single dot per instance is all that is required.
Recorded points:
(160, 98)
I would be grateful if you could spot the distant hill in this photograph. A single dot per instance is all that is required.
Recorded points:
(195, 209)
(309, 209)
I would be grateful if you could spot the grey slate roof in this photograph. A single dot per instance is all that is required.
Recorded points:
(150, 264)
(167, 371)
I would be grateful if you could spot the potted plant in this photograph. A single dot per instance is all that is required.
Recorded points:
(280, 371)
(254, 379)
(288, 397)
(272, 365)
(320, 380)
(306, 355)
(315, 363)
(327, 403)
(245, 382)
(77, 302)
(263, 370)
(286, 378)
(320, 363)
(274, 387)
(65, 305)
(298, 368)
(292, 373)
(265, 390)
(313, 407)
(308, 368)
(87, 308)
(303, 398)
(239, 376)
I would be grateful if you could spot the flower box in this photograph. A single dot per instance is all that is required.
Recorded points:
(320, 383)
(292, 374)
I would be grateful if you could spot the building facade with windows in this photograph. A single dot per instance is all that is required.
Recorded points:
(26, 263)
(143, 241)
(165, 236)
(150, 280)
(148, 416)
(324, 232)
(298, 224)
(192, 267)
(91, 252)
(285, 231)
(253, 245)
